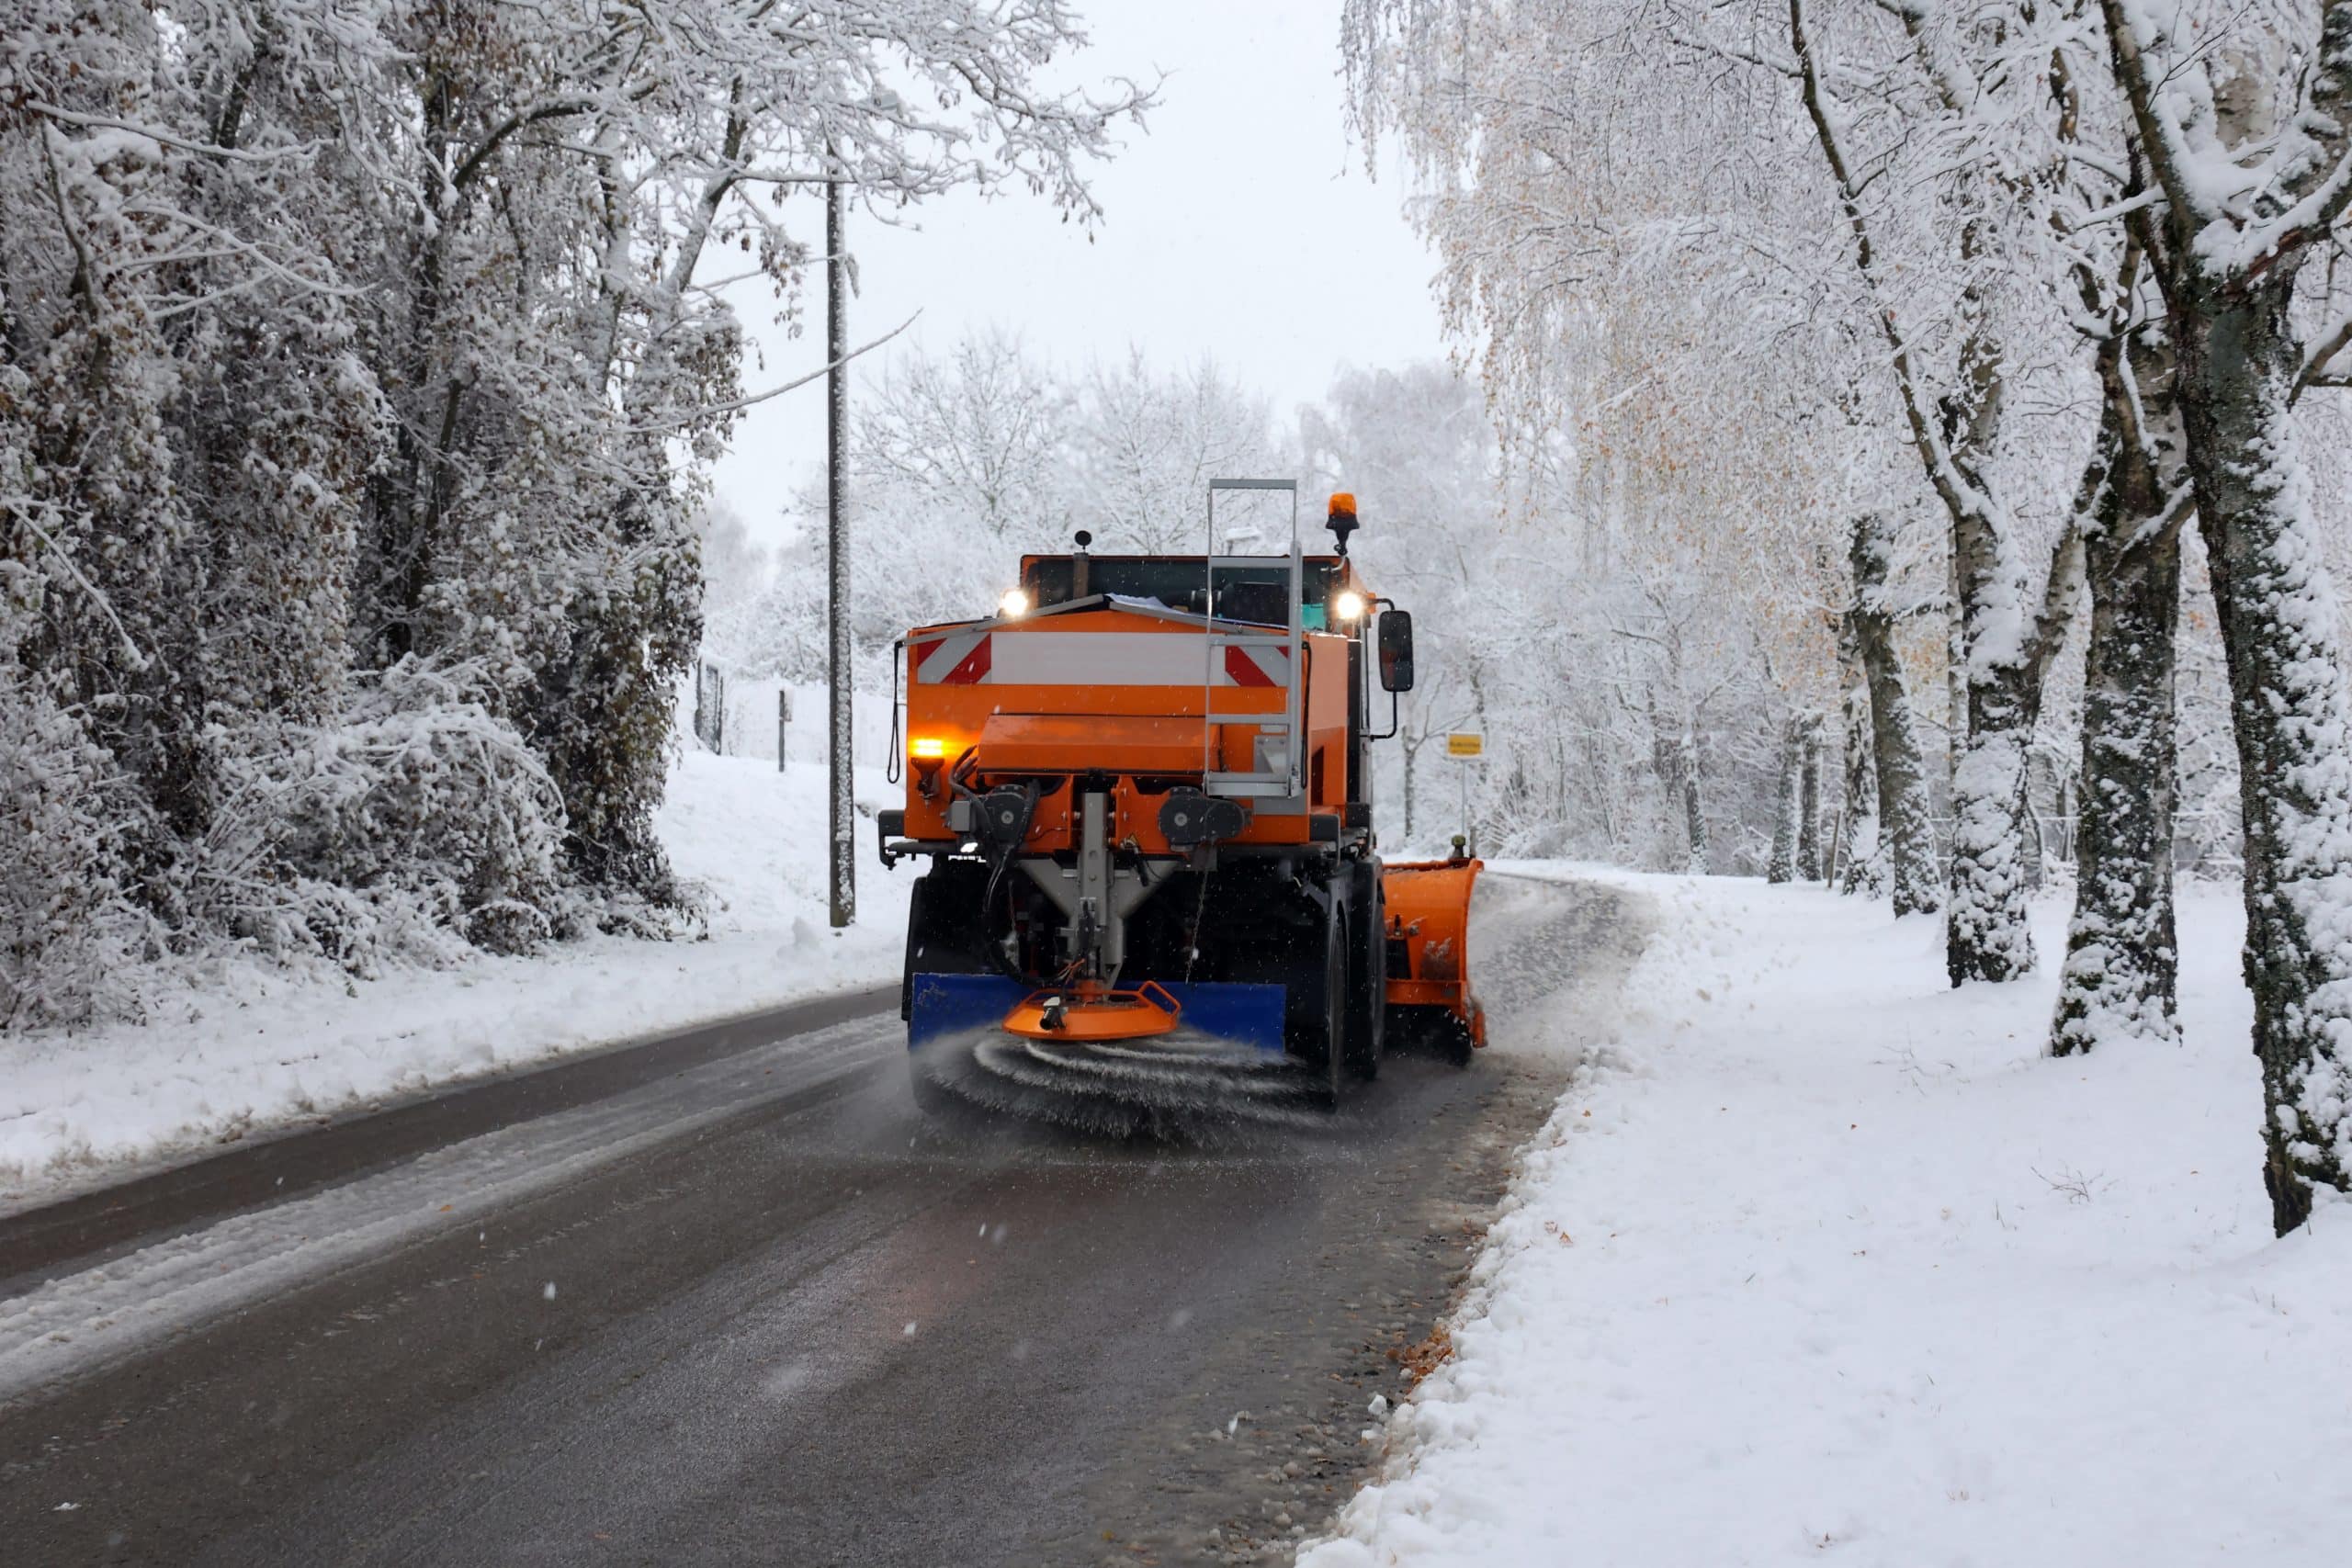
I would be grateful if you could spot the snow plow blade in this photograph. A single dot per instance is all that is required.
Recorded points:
(941, 1005)
(1429, 990)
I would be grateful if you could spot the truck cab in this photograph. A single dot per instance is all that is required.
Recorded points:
(1332, 597)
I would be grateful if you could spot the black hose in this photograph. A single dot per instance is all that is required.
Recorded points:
(893, 768)
(1200, 913)
(1010, 970)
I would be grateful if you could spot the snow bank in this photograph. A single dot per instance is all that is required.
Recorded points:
(1818, 1258)
(265, 1047)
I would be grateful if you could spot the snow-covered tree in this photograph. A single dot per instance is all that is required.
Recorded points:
(1145, 445)
(735, 572)
(2242, 121)
(1415, 449)
(978, 439)
(1592, 215)
(359, 369)
(1596, 173)
(1898, 809)
(963, 460)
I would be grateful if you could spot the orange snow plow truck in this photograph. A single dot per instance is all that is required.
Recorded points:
(1145, 792)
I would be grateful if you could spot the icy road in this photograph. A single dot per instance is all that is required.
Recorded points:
(728, 1298)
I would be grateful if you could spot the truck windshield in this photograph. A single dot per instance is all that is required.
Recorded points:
(1254, 593)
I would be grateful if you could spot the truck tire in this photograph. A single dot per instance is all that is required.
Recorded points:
(1368, 975)
(1336, 1004)
(942, 908)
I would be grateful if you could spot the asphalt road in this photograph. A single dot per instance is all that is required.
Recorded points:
(731, 1299)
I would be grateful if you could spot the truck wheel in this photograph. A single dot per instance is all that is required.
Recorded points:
(941, 939)
(920, 935)
(1368, 977)
(1336, 1005)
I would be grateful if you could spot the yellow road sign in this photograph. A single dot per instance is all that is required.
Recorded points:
(1465, 745)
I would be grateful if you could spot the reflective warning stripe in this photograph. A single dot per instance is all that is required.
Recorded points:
(1246, 667)
(1099, 659)
(961, 659)
(1090, 659)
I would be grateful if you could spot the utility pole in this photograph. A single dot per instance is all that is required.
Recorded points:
(1469, 830)
(841, 868)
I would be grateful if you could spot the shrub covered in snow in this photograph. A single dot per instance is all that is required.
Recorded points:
(414, 822)
(66, 926)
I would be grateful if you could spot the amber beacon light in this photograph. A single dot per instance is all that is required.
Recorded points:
(1340, 518)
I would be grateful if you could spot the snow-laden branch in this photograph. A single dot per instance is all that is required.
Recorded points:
(134, 654)
(713, 410)
(2318, 367)
(2246, 203)
(2116, 212)
(2163, 140)
(162, 138)
(1960, 495)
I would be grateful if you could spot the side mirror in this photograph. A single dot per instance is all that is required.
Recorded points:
(1396, 639)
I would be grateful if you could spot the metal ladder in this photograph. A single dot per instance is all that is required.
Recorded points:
(1279, 774)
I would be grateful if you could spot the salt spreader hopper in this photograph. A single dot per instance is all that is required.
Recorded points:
(1145, 791)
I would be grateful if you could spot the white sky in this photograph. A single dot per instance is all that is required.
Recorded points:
(1238, 225)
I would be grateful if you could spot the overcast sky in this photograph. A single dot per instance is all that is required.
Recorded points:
(1240, 225)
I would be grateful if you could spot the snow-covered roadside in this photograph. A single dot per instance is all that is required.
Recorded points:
(267, 1048)
(1820, 1260)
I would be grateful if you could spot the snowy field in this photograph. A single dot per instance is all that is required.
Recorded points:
(267, 1048)
(1821, 1261)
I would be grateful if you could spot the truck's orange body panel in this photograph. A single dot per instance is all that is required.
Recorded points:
(1128, 698)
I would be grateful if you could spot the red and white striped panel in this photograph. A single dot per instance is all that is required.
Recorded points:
(960, 659)
(1088, 658)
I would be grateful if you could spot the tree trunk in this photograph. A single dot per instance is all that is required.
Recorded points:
(2239, 358)
(1809, 801)
(1861, 861)
(1955, 688)
(1604, 789)
(1694, 816)
(1782, 867)
(1410, 752)
(2121, 960)
(2121, 957)
(1894, 743)
(1985, 933)
(1674, 758)
(2029, 828)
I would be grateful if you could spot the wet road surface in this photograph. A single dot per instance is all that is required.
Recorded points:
(745, 1304)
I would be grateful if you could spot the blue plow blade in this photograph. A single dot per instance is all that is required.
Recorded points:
(955, 1004)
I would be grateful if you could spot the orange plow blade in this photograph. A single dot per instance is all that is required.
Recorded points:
(1428, 905)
